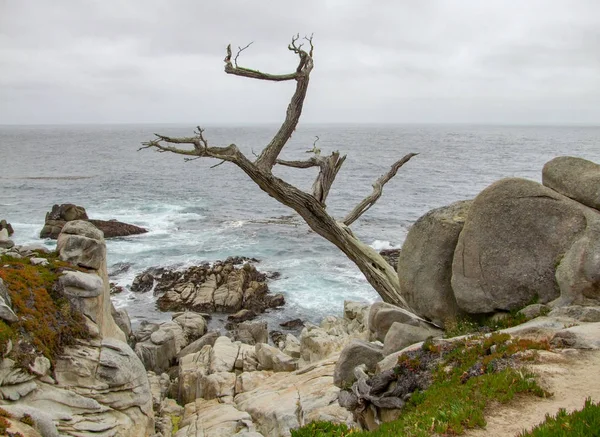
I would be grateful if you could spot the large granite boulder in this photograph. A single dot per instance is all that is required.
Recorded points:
(515, 235)
(5, 225)
(382, 315)
(576, 178)
(425, 262)
(67, 212)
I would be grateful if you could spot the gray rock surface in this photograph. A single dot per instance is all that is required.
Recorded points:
(81, 243)
(382, 315)
(425, 262)
(515, 235)
(401, 335)
(576, 178)
(357, 352)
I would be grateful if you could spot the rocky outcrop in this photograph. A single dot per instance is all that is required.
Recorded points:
(425, 262)
(5, 242)
(573, 177)
(62, 214)
(515, 236)
(5, 225)
(98, 385)
(518, 242)
(225, 286)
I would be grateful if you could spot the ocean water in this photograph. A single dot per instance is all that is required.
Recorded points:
(196, 213)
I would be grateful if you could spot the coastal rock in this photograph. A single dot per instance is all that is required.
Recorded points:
(271, 358)
(357, 352)
(585, 336)
(6, 312)
(5, 242)
(5, 225)
(577, 312)
(252, 332)
(82, 244)
(225, 287)
(158, 345)
(514, 236)
(382, 315)
(60, 215)
(209, 418)
(192, 369)
(289, 400)
(223, 355)
(425, 262)
(573, 177)
(401, 335)
(534, 310)
(193, 324)
(207, 339)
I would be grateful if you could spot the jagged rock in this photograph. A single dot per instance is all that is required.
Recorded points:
(6, 312)
(65, 213)
(401, 335)
(248, 381)
(288, 400)
(122, 320)
(5, 242)
(316, 344)
(4, 225)
(193, 324)
(382, 315)
(292, 324)
(213, 419)
(355, 353)
(271, 358)
(252, 332)
(158, 350)
(577, 312)
(515, 234)
(292, 346)
(207, 339)
(81, 243)
(223, 355)
(246, 360)
(192, 368)
(219, 385)
(425, 262)
(576, 178)
(241, 316)
(221, 287)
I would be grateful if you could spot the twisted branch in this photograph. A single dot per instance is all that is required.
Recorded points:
(370, 200)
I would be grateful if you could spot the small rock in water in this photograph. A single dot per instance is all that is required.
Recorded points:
(292, 324)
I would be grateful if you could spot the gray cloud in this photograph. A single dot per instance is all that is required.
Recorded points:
(385, 61)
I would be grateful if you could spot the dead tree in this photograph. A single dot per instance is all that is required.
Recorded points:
(310, 206)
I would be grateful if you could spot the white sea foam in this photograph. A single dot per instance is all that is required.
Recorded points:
(382, 245)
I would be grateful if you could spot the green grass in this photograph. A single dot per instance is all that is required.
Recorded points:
(468, 376)
(482, 324)
(582, 423)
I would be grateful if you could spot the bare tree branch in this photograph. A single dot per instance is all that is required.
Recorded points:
(311, 207)
(370, 200)
(270, 153)
(312, 162)
(240, 50)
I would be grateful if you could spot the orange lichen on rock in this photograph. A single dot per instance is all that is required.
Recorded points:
(47, 321)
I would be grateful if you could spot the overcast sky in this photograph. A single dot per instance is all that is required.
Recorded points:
(383, 61)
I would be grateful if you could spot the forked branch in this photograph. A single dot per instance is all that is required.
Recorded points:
(370, 200)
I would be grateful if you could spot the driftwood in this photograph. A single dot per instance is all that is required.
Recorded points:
(310, 206)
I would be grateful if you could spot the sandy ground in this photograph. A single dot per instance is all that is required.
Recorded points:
(570, 375)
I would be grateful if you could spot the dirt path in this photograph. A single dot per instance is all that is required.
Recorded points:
(571, 375)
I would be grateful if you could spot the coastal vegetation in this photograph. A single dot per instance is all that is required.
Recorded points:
(47, 322)
(464, 378)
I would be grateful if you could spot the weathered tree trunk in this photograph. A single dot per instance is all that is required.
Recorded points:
(311, 207)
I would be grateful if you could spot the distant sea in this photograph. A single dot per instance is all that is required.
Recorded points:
(196, 213)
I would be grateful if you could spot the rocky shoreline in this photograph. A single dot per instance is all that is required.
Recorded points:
(520, 251)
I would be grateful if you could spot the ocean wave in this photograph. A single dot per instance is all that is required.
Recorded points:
(383, 245)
